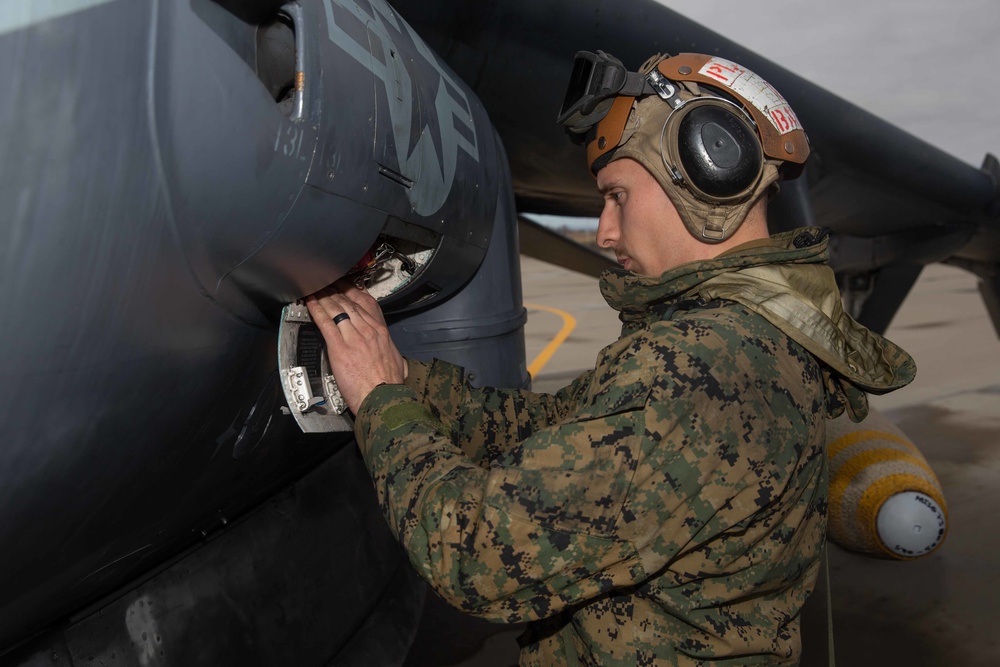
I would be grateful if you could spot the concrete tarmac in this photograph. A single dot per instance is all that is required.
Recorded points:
(939, 610)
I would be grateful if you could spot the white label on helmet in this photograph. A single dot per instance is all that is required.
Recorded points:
(754, 90)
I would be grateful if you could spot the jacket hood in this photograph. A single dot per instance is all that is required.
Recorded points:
(786, 280)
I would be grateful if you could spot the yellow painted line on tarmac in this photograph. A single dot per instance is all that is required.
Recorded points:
(569, 323)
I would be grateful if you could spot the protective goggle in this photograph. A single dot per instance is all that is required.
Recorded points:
(597, 79)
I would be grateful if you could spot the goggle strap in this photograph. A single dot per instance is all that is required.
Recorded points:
(636, 85)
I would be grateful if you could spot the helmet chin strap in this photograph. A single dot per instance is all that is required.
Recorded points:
(714, 230)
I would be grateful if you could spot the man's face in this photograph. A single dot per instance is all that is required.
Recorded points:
(639, 222)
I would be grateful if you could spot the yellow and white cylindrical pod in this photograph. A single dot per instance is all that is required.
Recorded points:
(884, 498)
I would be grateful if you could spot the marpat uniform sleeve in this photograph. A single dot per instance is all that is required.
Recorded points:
(485, 422)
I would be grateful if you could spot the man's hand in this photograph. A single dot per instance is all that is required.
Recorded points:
(360, 349)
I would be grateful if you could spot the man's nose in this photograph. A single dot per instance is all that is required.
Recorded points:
(607, 229)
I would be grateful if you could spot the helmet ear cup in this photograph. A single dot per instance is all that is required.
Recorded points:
(719, 154)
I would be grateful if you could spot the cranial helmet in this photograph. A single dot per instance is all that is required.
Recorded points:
(714, 134)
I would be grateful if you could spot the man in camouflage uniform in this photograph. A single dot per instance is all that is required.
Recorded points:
(669, 506)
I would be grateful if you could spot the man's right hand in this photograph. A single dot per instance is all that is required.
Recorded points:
(359, 347)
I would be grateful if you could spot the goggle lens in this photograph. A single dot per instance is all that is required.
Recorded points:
(579, 83)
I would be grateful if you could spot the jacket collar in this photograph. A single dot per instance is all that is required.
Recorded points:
(785, 280)
(638, 297)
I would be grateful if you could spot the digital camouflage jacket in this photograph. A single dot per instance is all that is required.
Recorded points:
(669, 506)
